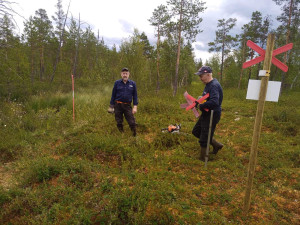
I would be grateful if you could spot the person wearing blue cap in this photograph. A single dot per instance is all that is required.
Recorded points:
(124, 92)
(213, 102)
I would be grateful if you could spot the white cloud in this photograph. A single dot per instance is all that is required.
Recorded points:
(116, 19)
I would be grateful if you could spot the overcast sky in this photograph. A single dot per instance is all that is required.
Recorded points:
(116, 19)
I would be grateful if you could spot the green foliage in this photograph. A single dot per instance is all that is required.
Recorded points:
(75, 171)
(4, 197)
(133, 57)
(58, 171)
(44, 102)
(224, 42)
(84, 172)
(27, 62)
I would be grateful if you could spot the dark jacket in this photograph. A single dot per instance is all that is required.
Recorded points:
(214, 101)
(124, 92)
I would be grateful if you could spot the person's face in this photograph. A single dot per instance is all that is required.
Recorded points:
(205, 78)
(125, 75)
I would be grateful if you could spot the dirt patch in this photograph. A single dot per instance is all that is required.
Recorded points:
(111, 160)
(6, 176)
(150, 137)
(56, 144)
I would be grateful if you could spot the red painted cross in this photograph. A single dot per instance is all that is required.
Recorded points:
(262, 52)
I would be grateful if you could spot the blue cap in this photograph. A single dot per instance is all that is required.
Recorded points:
(203, 70)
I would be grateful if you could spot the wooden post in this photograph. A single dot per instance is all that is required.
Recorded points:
(258, 120)
(208, 139)
(73, 98)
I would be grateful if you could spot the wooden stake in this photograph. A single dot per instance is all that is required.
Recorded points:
(73, 98)
(209, 135)
(258, 121)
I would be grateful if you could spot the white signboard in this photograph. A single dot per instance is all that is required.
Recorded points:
(272, 92)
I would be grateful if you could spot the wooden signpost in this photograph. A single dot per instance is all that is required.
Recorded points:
(73, 97)
(268, 56)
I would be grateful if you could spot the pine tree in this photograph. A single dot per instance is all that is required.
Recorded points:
(288, 30)
(60, 20)
(132, 56)
(8, 56)
(223, 42)
(38, 32)
(159, 19)
(187, 20)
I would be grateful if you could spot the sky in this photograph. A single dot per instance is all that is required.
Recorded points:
(116, 19)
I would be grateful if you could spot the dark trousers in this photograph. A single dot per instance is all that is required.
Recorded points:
(126, 110)
(201, 128)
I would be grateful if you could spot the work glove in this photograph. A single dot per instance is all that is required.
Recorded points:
(111, 109)
(134, 109)
(202, 109)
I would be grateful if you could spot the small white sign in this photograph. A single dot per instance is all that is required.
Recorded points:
(272, 92)
(262, 73)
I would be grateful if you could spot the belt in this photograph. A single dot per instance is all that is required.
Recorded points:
(119, 102)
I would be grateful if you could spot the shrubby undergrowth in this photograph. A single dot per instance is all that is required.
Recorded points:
(56, 171)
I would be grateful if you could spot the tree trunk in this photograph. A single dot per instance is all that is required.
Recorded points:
(222, 61)
(32, 66)
(61, 38)
(250, 69)
(157, 62)
(178, 51)
(77, 48)
(243, 60)
(294, 81)
(41, 63)
(283, 74)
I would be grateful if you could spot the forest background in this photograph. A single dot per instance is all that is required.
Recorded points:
(58, 171)
(48, 51)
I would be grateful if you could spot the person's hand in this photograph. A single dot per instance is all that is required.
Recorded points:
(134, 109)
(196, 104)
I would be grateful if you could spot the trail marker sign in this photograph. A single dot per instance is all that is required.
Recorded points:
(262, 53)
(273, 90)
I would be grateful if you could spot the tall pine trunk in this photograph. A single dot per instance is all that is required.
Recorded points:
(178, 51)
(77, 49)
(42, 63)
(283, 74)
(243, 60)
(58, 53)
(157, 61)
(222, 60)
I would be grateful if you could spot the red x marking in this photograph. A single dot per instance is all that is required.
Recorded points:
(262, 52)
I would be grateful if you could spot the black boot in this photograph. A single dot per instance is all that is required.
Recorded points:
(120, 128)
(133, 129)
(203, 153)
(216, 146)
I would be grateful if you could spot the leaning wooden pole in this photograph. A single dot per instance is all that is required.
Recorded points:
(73, 97)
(258, 120)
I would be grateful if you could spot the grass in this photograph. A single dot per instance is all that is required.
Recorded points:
(56, 171)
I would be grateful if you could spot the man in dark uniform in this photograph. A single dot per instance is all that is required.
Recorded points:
(213, 102)
(123, 93)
